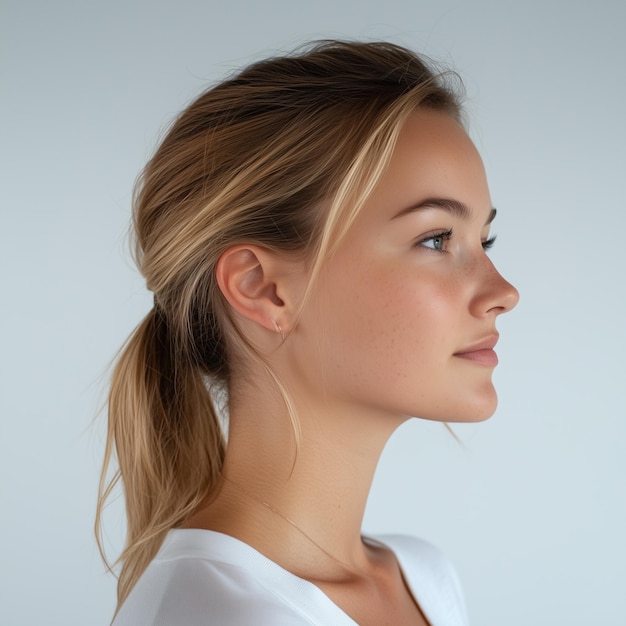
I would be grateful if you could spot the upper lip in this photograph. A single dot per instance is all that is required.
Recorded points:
(487, 343)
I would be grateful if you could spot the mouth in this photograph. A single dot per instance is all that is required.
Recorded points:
(482, 352)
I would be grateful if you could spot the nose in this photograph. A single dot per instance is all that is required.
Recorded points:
(495, 294)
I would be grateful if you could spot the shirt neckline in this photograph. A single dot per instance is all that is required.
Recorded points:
(300, 594)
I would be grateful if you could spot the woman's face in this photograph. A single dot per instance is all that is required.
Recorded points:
(403, 317)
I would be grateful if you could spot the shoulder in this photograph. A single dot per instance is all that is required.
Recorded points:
(431, 577)
(198, 580)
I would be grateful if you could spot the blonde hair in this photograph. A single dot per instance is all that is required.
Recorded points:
(282, 155)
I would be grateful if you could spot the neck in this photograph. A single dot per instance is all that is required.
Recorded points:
(301, 504)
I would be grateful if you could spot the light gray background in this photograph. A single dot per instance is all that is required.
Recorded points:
(531, 510)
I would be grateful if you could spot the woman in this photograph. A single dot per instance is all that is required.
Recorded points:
(314, 232)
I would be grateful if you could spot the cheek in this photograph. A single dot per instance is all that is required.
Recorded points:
(391, 323)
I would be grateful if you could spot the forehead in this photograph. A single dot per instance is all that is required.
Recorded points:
(433, 158)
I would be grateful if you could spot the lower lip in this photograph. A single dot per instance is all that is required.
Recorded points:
(482, 357)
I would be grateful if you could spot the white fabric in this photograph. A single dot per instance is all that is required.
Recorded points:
(202, 578)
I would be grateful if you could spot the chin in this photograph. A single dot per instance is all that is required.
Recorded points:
(465, 411)
(475, 412)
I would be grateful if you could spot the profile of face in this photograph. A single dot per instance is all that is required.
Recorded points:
(402, 320)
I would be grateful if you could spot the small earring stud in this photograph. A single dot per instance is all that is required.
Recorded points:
(279, 330)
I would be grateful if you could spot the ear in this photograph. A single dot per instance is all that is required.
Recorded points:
(254, 281)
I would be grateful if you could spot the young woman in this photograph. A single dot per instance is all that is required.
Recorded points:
(314, 230)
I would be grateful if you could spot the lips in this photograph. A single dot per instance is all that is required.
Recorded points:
(481, 352)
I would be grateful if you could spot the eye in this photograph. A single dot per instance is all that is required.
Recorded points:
(488, 243)
(436, 241)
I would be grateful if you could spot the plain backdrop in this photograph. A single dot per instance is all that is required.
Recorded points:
(531, 507)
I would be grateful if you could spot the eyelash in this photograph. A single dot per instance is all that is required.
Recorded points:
(446, 235)
(488, 243)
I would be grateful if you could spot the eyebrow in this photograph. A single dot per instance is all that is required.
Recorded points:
(454, 207)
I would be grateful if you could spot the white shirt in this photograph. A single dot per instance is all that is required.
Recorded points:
(202, 578)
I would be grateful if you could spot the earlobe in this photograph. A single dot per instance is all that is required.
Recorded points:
(247, 276)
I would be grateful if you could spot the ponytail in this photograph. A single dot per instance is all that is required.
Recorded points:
(167, 438)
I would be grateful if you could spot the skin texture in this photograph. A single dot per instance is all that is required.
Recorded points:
(384, 336)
